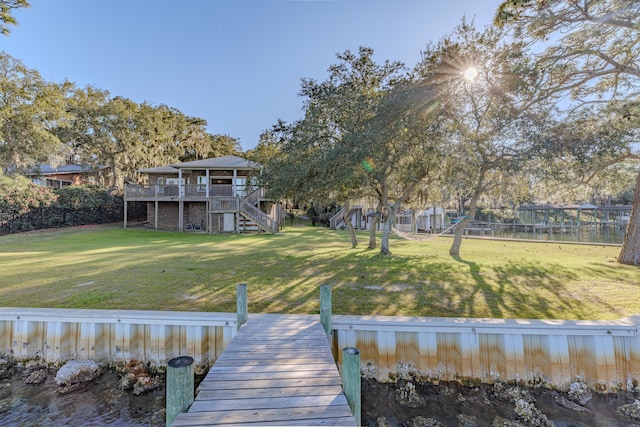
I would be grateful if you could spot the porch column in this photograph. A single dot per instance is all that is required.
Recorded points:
(125, 213)
(207, 207)
(233, 183)
(180, 189)
(208, 182)
(155, 214)
(181, 215)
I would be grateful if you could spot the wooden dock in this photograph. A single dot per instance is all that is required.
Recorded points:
(278, 370)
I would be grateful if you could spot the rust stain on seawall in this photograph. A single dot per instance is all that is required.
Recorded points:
(605, 355)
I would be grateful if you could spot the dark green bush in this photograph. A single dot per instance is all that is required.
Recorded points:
(25, 206)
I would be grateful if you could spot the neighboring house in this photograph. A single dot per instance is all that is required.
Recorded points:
(218, 195)
(61, 176)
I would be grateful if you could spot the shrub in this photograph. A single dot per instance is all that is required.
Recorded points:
(26, 206)
(18, 195)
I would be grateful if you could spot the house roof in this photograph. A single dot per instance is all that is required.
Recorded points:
(225, 162)
(45, 169)
(159, 169)
(220, 163)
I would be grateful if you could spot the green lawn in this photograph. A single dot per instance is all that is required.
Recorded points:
(108, 267)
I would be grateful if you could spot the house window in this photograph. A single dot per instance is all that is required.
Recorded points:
(241, 186)
(173, 188)
(202, 184)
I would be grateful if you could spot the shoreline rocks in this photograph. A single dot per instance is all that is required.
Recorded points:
(137, 377)
(450, 403)
(76, 374)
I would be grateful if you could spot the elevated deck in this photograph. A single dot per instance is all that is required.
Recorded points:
(278, 370)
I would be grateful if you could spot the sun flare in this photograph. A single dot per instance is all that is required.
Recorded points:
(470, 73)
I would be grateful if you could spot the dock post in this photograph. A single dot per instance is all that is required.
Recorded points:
(351, 381)
(325, 309)
(241, 304)
(180, 391)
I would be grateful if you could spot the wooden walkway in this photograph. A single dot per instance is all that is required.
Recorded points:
(278, 370)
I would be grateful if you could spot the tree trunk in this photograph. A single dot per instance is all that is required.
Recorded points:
(349, 225)
(459, 229)
(384, 240)
(385, 215)
(414, 224)
(374, 226)
(457, 236)
(387, 222)
(372, 231)
(630, 253)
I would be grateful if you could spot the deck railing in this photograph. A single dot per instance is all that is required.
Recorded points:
(133, 191)
(263, 220)
(254, 196)
(223, 204)
(220, 197)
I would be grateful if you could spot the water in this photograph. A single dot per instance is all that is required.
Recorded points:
(610, 234)
(99, 404)
(102, 404)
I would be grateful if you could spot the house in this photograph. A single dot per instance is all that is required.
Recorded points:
(218, 195)
(70, 174)
(427, 220)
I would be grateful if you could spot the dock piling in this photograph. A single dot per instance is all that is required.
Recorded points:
(241, 304)
(325, 309)
(180, 392)
(351, 381)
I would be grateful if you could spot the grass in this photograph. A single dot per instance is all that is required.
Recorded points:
(108, 267)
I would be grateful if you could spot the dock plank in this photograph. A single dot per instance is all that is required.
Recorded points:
(292, 416)
(200, 405)
(265, 359)
(273, 367)
(275, 371)
(252, 393)
(264, 384)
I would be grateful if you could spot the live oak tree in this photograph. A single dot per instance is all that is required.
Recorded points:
(6, 13)
(269, 144)
(358, 139)
(41, 121)
(201, 145)
(319, 157)
(128, 136)
(592, 157)
(30, 108)
(488, 107)
(400, 150)
(592, 56)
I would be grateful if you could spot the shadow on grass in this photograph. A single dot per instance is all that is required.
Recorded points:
(124, 269)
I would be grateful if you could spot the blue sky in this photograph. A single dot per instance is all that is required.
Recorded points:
(235, 63)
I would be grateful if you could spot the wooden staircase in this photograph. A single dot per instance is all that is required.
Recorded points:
(337, 221)
(249, 216)
(256, 216)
